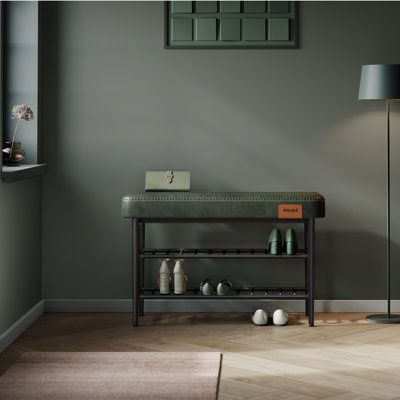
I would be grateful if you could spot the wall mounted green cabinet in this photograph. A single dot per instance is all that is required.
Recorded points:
(231, 24)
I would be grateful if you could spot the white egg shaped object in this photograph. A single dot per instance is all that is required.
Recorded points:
(260, 317)
(280, 317)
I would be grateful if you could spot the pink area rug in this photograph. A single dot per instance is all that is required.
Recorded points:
(119, 375)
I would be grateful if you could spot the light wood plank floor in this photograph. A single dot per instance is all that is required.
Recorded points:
(342, 358)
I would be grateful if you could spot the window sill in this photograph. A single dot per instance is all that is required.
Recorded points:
(18, 173)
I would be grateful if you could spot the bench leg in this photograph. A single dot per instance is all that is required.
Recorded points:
(135, 271)
(306, 275)
(310, 262)
(141, 266)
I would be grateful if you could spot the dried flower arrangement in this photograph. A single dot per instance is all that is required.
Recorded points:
(20, 112)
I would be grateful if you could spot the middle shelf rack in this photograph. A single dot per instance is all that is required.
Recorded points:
(239, 292)
(217, 253)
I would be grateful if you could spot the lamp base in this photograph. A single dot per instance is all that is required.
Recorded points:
(383, 318)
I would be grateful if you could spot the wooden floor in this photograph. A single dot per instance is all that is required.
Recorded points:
(343, 357)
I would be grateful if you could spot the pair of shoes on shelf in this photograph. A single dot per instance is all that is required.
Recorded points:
(275, 245)
(208, 288)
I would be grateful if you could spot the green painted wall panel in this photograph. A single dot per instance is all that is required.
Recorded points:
(182, 29)
(205, 29)
(254, 29)
(278, 29)
(230, 29)
(20, 249)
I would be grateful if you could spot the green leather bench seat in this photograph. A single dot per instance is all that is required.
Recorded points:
(187, 205)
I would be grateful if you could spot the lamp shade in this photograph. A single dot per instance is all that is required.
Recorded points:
(380, 82)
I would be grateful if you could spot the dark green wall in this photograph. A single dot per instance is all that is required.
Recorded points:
(20, 249)
(117, 104)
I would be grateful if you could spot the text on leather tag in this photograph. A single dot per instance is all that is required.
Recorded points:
(290, 211)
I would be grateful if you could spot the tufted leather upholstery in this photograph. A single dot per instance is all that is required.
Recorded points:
(219, 205)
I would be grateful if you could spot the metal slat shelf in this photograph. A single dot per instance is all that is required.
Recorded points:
(216, 253)
(236, 293)
(141, 253)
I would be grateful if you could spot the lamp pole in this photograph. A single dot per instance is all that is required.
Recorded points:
(388, 264)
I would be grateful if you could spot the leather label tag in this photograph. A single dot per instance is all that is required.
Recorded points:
(290, 211)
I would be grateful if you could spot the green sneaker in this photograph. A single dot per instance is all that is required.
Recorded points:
(275, 242)
(224, 287)
(290, 242)
(207, 288)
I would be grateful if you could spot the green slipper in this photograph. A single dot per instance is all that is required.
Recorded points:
(224, 287)
(275, 242)
(290, 242)
(207, 288)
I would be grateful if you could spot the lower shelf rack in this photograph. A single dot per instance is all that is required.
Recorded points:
(249, 293)
(216, 253)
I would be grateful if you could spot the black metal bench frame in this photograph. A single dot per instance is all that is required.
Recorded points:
(140, 254)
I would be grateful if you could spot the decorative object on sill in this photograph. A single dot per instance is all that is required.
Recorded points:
(20, 112)
(177, 181)
(224, 287)
(231, 24)
(164, 279)
(290, 242)
(13, 154)
(280, 317)
(207, 288)
(275, 242)
(180, 279)
(260, 317)
(382, 82)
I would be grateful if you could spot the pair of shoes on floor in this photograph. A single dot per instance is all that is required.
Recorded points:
(276, 246)
(279, 317)
(208, 288)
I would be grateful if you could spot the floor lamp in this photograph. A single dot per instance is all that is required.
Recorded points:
(382, 82)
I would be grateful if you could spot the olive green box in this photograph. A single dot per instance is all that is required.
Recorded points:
(167, 181)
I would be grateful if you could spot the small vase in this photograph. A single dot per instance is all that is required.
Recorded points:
(17, 154)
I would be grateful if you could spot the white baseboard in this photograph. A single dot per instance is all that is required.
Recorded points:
(19, 326)
(169, 305)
